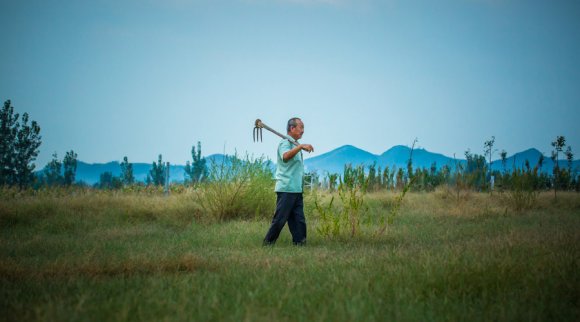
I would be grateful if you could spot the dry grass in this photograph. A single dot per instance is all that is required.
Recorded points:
(11, 270)
(132, 256)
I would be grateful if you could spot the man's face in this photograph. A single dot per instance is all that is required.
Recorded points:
(297, 131)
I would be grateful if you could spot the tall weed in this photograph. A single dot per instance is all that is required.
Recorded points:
(348, 217)
(522, 195)
(237, 189)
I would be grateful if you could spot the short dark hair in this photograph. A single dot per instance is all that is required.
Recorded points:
(292, 123)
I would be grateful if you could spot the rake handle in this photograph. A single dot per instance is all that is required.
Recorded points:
(260, 124)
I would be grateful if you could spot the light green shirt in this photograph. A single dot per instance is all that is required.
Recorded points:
(289, 174)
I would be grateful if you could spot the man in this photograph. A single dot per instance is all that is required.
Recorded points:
(289, 181)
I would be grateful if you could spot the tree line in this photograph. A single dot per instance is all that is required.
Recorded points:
(475, 173)
(21, 139)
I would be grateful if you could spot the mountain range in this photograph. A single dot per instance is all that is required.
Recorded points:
(334, 161)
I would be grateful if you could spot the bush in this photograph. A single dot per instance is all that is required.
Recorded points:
(523, 194)
(237, 189)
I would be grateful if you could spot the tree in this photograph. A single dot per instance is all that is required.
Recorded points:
(27, 144)
(8, 131)
(475, 169)
(19, 143)
(569, 158)
(558, 145)
(70, 167)
(503, 155)
(197, 171)
(52, 172)
(127, 176)
(410, 161)
(488, 149)
(540, 162)
(108, 181)
(372, 177)
(158, 172)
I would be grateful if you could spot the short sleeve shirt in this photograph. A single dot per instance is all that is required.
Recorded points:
(289, 174)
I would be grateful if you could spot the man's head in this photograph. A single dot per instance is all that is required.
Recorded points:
(295, 128)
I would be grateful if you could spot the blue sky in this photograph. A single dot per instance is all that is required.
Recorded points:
(138, 78)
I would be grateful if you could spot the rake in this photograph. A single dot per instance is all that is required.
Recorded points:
(259, 125)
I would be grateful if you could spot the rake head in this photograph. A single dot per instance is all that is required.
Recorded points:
(258, 131)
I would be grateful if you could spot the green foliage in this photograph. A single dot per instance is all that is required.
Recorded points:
(8, 131)
(347, 218)
(488, 151)
(522, 194)
(70, 167)
(108, 181)
(389, 219)
(237, 188)
(127, 177)
(19, 143)
(198, 171)
(157, 172)
(475, 170)
(352, 189)
(559, 143)
(373, 178)
(52, 175)
(332, 181)
(329, 222)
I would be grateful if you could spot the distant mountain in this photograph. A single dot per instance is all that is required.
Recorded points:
(519, 159)
(398, 156)
(334, 162)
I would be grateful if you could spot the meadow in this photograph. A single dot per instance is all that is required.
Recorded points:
(70, 255)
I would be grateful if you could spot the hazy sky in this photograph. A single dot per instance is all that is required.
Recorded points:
(114, 78)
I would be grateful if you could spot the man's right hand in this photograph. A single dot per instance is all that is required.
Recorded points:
(307, 147)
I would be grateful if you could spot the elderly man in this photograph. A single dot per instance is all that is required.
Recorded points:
(289, 182)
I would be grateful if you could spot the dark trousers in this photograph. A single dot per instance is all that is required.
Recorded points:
(289, 208)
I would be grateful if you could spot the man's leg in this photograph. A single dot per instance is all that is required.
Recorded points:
(284, 204)
(297, 222)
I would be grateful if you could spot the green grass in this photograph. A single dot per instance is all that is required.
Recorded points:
(132, 257)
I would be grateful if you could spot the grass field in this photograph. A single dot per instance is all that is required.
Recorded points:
(108, 256)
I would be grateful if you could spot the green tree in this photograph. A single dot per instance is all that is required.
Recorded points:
(8, 132)
(475, 170)
(108, 181)
(157, 172)
(571, 177)
(558, 145)
(196, 171)
(372, 177)
(569, 158)
(503, 156)
(410, 161)
(70, 167)
(127, 176)
(52, 172)
(27, 144)
(19, 143)
(540, 163)
(488, 151)
(400, 179)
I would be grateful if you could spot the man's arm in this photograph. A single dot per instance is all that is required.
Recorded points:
(291, 153)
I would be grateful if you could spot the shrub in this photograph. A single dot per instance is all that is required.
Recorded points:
(237, 188)
(523, 194)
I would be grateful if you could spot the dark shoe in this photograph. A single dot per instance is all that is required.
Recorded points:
(267, 243)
